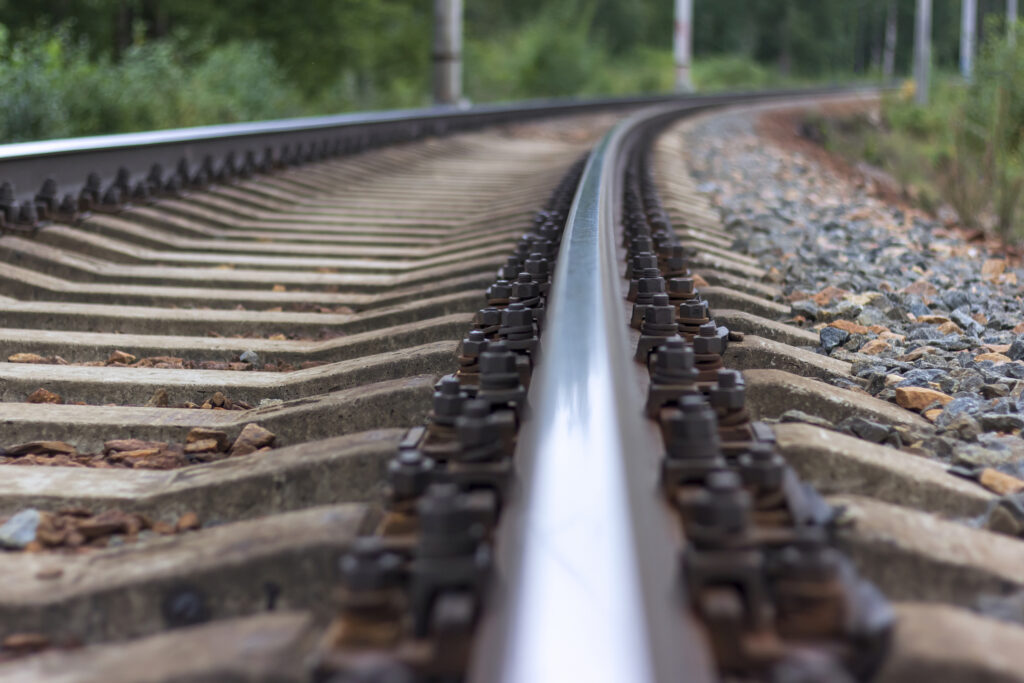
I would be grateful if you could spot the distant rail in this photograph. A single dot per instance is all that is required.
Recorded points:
(61, 179)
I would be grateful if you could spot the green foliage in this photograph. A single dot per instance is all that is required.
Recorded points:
(733, 72)
(93, 66)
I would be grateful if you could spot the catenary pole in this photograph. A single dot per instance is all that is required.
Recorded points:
(447, 51)
(889, 55)
(1011, 20)
(683, 44)
(922, 51)
(968, 34)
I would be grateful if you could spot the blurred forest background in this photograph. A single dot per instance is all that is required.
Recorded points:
(80, 67)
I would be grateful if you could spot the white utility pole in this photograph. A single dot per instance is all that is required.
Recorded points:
(447, 51)
(683, 45)
(1011, 20)
(968, 35)
(922, 51)
(889, 55)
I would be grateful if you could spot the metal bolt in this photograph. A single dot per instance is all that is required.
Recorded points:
(730, 391)
(710, 339)
(479, 434)
(659, 318)
(692, 433)
(511, 269)
(498, 368)
(681, 288)
(488, 317)
(762, 467)
(674, 364)
(525, 288)
(537, 266)
(501, 290)
(693, 310)
(722, 504)
(474, 343)
(409, 474)
(368, 565)
(448, 401)
(516, 322)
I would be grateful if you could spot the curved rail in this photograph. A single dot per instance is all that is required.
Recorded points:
(588, 553)
(580, 604)
(61, 178)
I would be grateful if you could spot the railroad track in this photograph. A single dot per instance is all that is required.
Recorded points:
(256, 414)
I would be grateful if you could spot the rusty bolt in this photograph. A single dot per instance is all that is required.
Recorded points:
(488, 317)
(730, 392)
(710, 339)
(409, 474)
(368, 566)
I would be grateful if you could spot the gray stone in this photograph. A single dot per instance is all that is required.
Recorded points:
(20, 530)
(800, 416)
(1016, 351)
(962, 317)
(868, 430)
(249, 356)
(806, 308)
(996, 422)
(832, 337)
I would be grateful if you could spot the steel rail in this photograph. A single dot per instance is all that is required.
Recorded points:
(587, 557)
(114, 169)
(579, 604)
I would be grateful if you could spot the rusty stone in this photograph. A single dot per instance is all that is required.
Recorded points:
(919, 398)
(829, 295)
(994, 357)
(25, 642)
(993, 267)
(41, 448)
(875, 347)
(159, 399)
(121, 357)
(188, 522)
(251, 439)
(26, 358)
(202, 445)
(205, 434)
(43, 396)
(851, 327)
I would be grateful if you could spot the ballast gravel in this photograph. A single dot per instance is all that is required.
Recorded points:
(929, 320)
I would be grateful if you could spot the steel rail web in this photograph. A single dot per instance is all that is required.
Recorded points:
(577, 603)
(69, 162)
(587, 586)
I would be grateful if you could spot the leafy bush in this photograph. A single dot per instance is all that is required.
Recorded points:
(733, 73)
